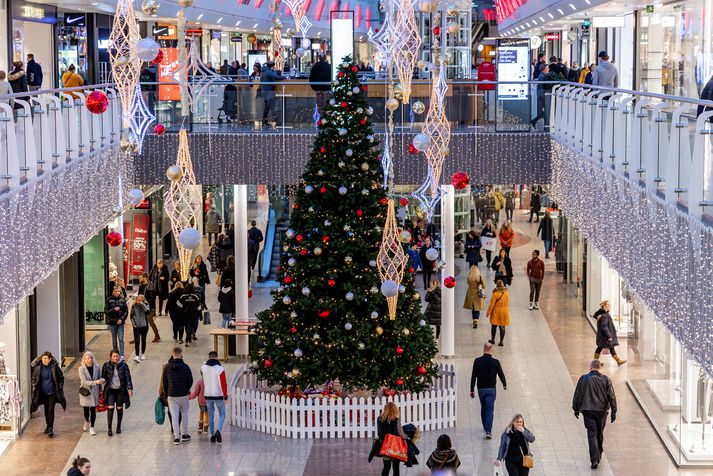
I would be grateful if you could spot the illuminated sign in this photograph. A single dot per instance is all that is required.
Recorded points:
(34, 12)
(342, 36)
(552, 36)
(608, 22)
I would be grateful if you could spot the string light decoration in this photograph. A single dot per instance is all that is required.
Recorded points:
(141, 119)
(278, 49)
(125, 63)
(652, 244)
(202, 77)
(391, 259)
(45, 220)
(407, 43)
(182, 201)
(299, 13)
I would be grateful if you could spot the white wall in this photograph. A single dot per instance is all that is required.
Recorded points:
(49, 329)
(8, 336)
(38, 40)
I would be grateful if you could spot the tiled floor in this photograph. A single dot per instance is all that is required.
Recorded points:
(541, 358)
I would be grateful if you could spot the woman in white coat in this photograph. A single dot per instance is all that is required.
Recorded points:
(89, 390)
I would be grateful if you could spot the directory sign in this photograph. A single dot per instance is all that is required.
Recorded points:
(513, 64)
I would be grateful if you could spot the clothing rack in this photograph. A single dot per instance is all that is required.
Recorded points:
(11, 403)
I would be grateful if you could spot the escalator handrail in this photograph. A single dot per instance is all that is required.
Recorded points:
(266, 260)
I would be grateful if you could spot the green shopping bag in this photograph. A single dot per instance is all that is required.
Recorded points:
(159, 412)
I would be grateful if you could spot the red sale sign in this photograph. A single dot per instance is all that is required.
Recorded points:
(139, 244)
(126, 250)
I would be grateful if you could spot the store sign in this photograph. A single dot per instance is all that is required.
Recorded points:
(552, 36)
(139, 244)
(34, 12)
(167, 71)
(513, 64)
(165, 32)
(649, 9)
(73, 19)
(236, 39)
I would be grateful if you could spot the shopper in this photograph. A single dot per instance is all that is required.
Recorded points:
(535, 273)
(506, 235)
(321, 73)
(47, 383)
(254, 239)
(175, 312)
(433, 309)
(606, 333)
(489, 232)
(190, 309)
(514, 446)
(118, 389)
(268, 77)
(499, 202)
(116, 312)
(228, 272)
(589, 73)
(475, 296)
(444, 459)
(429, 265)
(160, 279)
(199, 393)
(594, 397)
(146, 288)
(34, 73)
(509, 205)
(176, 274)
(499, 311)
(18, 81)
(502, 265)
(226, 298)
(200, 270)
(389, 423)
(534, 205)
(546, 231)
(212, 224)
(605, 73)
(80, 467)
(486, 371)
(70, 79)
(542, 90)
(216, 394)
(89, 390)
(5, 89)
(140, 322)
(472, 248)
(177, 382)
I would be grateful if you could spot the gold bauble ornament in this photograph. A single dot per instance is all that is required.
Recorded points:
(418, 107)
(185, 3)
(150, 7)
(445, 151)
(379, 330)
(392, 104)
(364, 166)
(174, 173)
(425, 6)
(421, 64)
(406, 331)
(452, 10)
(405, 236)
(453, 28)
(317, 251)
(416, 296)
(398, 91)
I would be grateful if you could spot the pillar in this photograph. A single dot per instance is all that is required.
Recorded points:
(447, 295)
(49, 325)
(240, 208)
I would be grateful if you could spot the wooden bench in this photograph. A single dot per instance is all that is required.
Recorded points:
(242, 330)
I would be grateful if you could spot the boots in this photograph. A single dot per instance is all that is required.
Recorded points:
(156, 338)
(475, 323)
(596, 355)
(619, 360)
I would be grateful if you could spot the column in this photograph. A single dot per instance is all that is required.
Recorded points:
(49, 312)
(447, 295)
(240, 208)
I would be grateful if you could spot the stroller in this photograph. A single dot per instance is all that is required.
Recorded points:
(229, 109)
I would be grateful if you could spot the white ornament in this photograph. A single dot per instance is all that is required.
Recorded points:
(306, 43)
(361, 346)
(355, 89)
(174, 173)
(348, 326)
(374, 290)
(341, 164)
(306, 291)
(365, 192)
(290, 234)
(421, 142)
(342, 190)
(432, 254)
(278, 342)
(347, 228)
(291, 262)
(327, 223)
(147, 49)
(190, 238)
(405, 236)
(136, 196)
(298, 353)
(369, 111)
(332, 102)
(422, 323)
(374, 314)
(406, 331)
(315, 336)
(402, 289)
(349, 152)
(293, 315)
(301, 52)
(359, 110)
(349, 296)
(389, 288)
(348, 259)
(309, 189)
(287, 300)
(320, 172)
(372, 263)
(370, 138)
(342, 131)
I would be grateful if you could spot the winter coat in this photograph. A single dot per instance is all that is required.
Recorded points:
(138, 314)
(606, 331)
(112, 314)
(125, 383)
(160, 285)
(177, 378)
(91, 400)
(171, 304)
(505, 442)
(509, 201)
(605, 74)
(433, 310)
(201, 272)
(535, 202)
(189, 305)
(415, 259)
(176, 277)
(472, 250)
(72, 80)
(216, 383)
(228, 273)
(488, 231)
(226, 298)
(34, 73)
(707, 95)
(508, 269)
(321, 73)
(224, 249)
(472, 296)
(499, 308)
(212, 222)
(198, 392)
(546, 229)
(74, 472)
(149, 292)
(443, 460)
(594, 392)
(57, 378)
(506, 237)
(254, 239)
(499, 200)
(18, 81)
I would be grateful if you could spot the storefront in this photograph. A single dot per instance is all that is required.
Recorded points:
(73, 44)
(33, 32)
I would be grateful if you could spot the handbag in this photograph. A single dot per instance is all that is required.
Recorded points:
(528, 461)
(488, 242)
(217, 280)
(206, 318)
(394, 447)
(84, 391)
(159, 412)
(102, 406)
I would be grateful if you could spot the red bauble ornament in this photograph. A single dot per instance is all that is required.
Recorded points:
(277, 53)
(383, 201)
(114, 238)
(363, 87)
(97, 102)
(331, 283)
(303, 252)
(355, 69)
(403, 201)
(250, 293)
(421, 370)
(449, 282)
(293, 330)
(340, 74)
(295, 206)
(319, 123)
(363, 122)
(399, 381)
(322, 149)
(399, 350)
(159, 129)
(287, 280)
(359, 213)
(326, 239)
(299, 238)
(410, 269)
(412, 149)
(325, 314)
(268, 363)
(344, 104)
(437, 30)
(322, 189)
(460, 180)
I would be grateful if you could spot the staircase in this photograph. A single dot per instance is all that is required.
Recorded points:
(280, 228)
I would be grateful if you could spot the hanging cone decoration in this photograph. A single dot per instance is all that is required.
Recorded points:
(125, 62)
(182, 201)
(391, 259)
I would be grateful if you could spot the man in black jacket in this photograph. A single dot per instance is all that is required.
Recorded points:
(321, 73)
(116, 311)
(177, 381)
(486, 371)
(254, 239)
(593, 397)
(34, 73)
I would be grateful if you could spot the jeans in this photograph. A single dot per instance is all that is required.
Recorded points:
(487, 407)
(595, 422)
(427, 276)
(508, 214)
(475, 314)
(117, 337)
(212, 405)
(535, 285)
(548, 247)
(226, 319)
(140, 334)
(48, 402)
(179, 407)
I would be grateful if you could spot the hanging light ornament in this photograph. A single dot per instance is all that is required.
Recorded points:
(202, 77)
(125, 64)
(407, 43)
(182, 201)
(391, 259)
(150, 7)
(278, 50)
(298, 9)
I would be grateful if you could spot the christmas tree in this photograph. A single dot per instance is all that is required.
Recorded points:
(329, 320)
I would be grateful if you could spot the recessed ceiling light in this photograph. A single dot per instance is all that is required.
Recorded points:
(560, 11)
(200, 16)
(255, 26)
(572, 6)
(220, 20)
(238, 23)
(542, 19)
(551, 16)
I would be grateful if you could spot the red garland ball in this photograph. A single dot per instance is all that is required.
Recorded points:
(460, 180)
(354, 69)
(410, 269)
(340, 74)
(295, 206)
(325, 314)
(403, 201)
(268, 363)
(322, 149)
(359, 213)
(399, 350)
(97, 102)
(319, 123)
(159, 129)
(363, 122)
(322, 189)
(299, 238)
(363, 87)
(383, 201)
(421, 370)
(344, 104)
(449, 282)
(399, 381)
(293, 330)
(277, 53)
(331, 283)
(303, 252)
(287, 280)
(437, 30)
(113, 238)
(412, 149)
(250, 293)
(326, 239)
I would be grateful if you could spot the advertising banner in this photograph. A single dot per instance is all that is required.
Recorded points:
(126, 249)
(167, 73)
(139, 244)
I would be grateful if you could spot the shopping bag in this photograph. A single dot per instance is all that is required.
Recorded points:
(489, 243)
(206, 318)
(159, 412)
(499, 470)
(394, 447)
(102, 406)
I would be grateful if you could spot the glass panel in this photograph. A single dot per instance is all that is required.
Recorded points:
(94, 283)
(23, 341)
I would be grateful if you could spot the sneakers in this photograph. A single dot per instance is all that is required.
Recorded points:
(92, 431)
(186, 438)
(532, 306)
(491, 341)
(86, 426)
(187, 344)
(595, 465)
(218, 436)
(176, 441)
(142, 357)
(475, 323)
(488, 436)
(136, 359)
(537, 305)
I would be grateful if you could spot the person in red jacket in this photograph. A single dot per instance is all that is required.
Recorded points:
(216, 393)
(506, 236)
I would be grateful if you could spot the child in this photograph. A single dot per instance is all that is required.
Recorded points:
(199, 391)
(444, 457)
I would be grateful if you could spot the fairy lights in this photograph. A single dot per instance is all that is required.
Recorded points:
(125, 63)
(141, 119)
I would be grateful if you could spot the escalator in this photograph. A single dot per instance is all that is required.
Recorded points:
(269, 258)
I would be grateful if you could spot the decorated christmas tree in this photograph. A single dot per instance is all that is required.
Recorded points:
(329, 320)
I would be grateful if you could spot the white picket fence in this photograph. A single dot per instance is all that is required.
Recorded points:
(256, 408)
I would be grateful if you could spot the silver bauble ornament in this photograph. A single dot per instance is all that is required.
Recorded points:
(422, 323)
(405, 236)
(432, 254)
(389, 288)
(402, 289)
(287, 300)
(278, 342)
(418, 107)
(348, 326)
(327, 223)
(372, 263)
(342, 190)
(315, 336)
(421, 141)
(150, 7)
(398, 91)
(317, 251)
(373, 290)
(309, 189)
(349, 152)
(349, 296)
(392, 104)
(348, 259)
(147, 49)
(301, 52)
(306, 291)
(189, 238)
(320, 172)
(374, 314)
(361, 346)
(369, 111)
(298, 354)
(355, 89)
(290, 234)
(136, 196)
(406, 331)
(365, 192)
(342, 131)
(453, 28)
(306, 43)
(291, 262)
